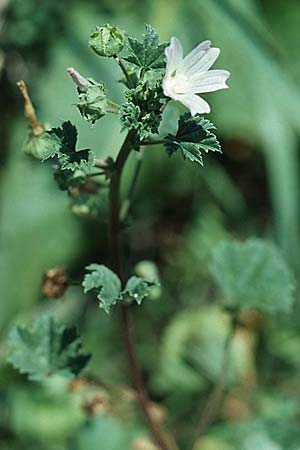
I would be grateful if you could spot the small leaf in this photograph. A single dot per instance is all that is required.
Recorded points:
(138, 288)
(148, 53)
(46, 348)
(194, 135)
(253, 274)
(106, 282)
(61, 143)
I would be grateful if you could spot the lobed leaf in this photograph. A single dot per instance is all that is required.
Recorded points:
(193, 136)
(46, 348)
(106, 282)
(148, 53)
(61, 143)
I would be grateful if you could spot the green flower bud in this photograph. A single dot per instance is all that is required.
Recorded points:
(93, 102)
(35, 146)
(107, 40)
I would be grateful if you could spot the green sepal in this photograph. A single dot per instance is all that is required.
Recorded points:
(93, 102)
(35, 146)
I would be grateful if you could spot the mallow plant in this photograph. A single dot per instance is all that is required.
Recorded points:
(154, 74)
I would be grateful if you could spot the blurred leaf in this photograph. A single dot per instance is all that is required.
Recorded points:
(53, 413)
(253, 274)
(106, 282)
(45, 349)
(194, 134)
(105, 432)
(192, 352)
(260, 440)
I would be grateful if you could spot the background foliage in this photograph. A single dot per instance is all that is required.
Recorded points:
(182, 212)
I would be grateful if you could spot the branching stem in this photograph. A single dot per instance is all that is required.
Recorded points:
(115, 228)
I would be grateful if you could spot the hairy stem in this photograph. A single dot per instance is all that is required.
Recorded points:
(126, 206)
(117, 262)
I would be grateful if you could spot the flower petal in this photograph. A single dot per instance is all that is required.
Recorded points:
(210, 81)
(174, 55)
(195, 55)
(194, 103)
(204, 63)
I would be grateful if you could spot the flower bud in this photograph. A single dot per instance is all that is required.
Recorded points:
(35, 146)
(81, 82)
(93, 102)
(107, 40)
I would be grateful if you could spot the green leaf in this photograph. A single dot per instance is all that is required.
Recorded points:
(106, 282)
(46, 348)
(67, 179)
(194, 135)
(61, 143)
(138, 288)
(142, 111)
(148, 53)
(253, 274)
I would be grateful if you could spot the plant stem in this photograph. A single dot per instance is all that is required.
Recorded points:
(216, 396)
(153, 142)
(96, 174)
(127, 203)
(117, 262)
(37, 128)
(123, 68)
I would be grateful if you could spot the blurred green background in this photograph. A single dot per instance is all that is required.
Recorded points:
(180, 212)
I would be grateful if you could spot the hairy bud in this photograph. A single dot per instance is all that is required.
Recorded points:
(107, 40)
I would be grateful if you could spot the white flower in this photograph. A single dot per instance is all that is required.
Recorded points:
(186, 77)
